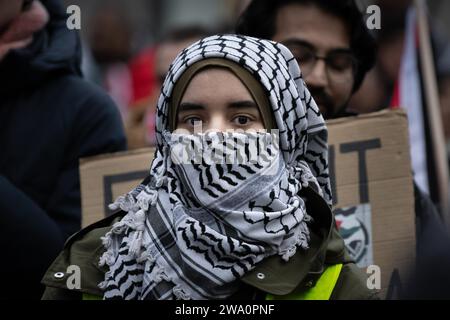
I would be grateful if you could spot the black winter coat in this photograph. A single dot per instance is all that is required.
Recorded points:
(49, 119)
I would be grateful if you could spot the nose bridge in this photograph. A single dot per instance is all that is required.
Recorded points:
(318, 75)
(217, 122)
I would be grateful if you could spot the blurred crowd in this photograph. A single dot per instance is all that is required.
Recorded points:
(133, 77)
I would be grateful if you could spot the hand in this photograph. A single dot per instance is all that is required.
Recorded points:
(19, 31)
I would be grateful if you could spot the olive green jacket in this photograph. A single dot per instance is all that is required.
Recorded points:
(271, 276)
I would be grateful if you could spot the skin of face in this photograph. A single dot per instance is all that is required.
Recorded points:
(325, 32)
(371, 96)
(110, 36)
(217, 98)
(9, 9)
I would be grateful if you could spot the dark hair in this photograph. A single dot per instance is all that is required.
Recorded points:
(259, 20)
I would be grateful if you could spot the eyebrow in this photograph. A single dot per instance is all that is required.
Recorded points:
(243, 104)
(190, 106)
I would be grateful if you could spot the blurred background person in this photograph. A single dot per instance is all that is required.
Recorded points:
(380, 88)
(109, 38)
(166, 52)
(402, 64)
(444, 90)
(145, 91)
(49, 119)
(377, 89)
(441, 46)
(330, 40)
(148, 69)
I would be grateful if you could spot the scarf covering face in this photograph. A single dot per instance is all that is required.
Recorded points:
(198, 225)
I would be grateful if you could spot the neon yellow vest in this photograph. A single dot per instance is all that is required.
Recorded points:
(321, 291)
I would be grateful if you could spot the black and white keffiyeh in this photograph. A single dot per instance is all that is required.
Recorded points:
(200, 225)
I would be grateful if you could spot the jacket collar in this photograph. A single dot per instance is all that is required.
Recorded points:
(278, 277)
(273, 275)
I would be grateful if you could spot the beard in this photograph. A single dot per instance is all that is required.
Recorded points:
(328, 108)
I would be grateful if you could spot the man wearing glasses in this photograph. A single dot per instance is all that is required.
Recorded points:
(335, 50)
(329, 39)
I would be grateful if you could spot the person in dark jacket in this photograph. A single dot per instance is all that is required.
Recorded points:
(429, 279)
(49, 119)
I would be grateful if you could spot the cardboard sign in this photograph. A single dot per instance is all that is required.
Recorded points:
(373, 193)
(371, 180)
(104, 178)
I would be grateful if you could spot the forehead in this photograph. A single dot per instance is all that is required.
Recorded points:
(312, 24)
(215, 83)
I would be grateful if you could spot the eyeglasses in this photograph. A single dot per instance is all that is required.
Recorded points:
(341, 63)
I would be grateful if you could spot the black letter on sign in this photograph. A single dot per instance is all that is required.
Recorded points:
(361, 147)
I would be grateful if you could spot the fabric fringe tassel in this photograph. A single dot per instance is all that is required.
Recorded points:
(303, 173)
(302, 241)
(180, 293)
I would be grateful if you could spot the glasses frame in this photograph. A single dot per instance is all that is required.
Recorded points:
(326, 58)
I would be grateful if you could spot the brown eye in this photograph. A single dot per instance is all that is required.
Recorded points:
(241, 120)
(341, 61)
(305, 57)
(192, 121)
(302, 53)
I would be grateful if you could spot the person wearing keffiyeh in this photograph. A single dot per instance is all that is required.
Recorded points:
(224, 213)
